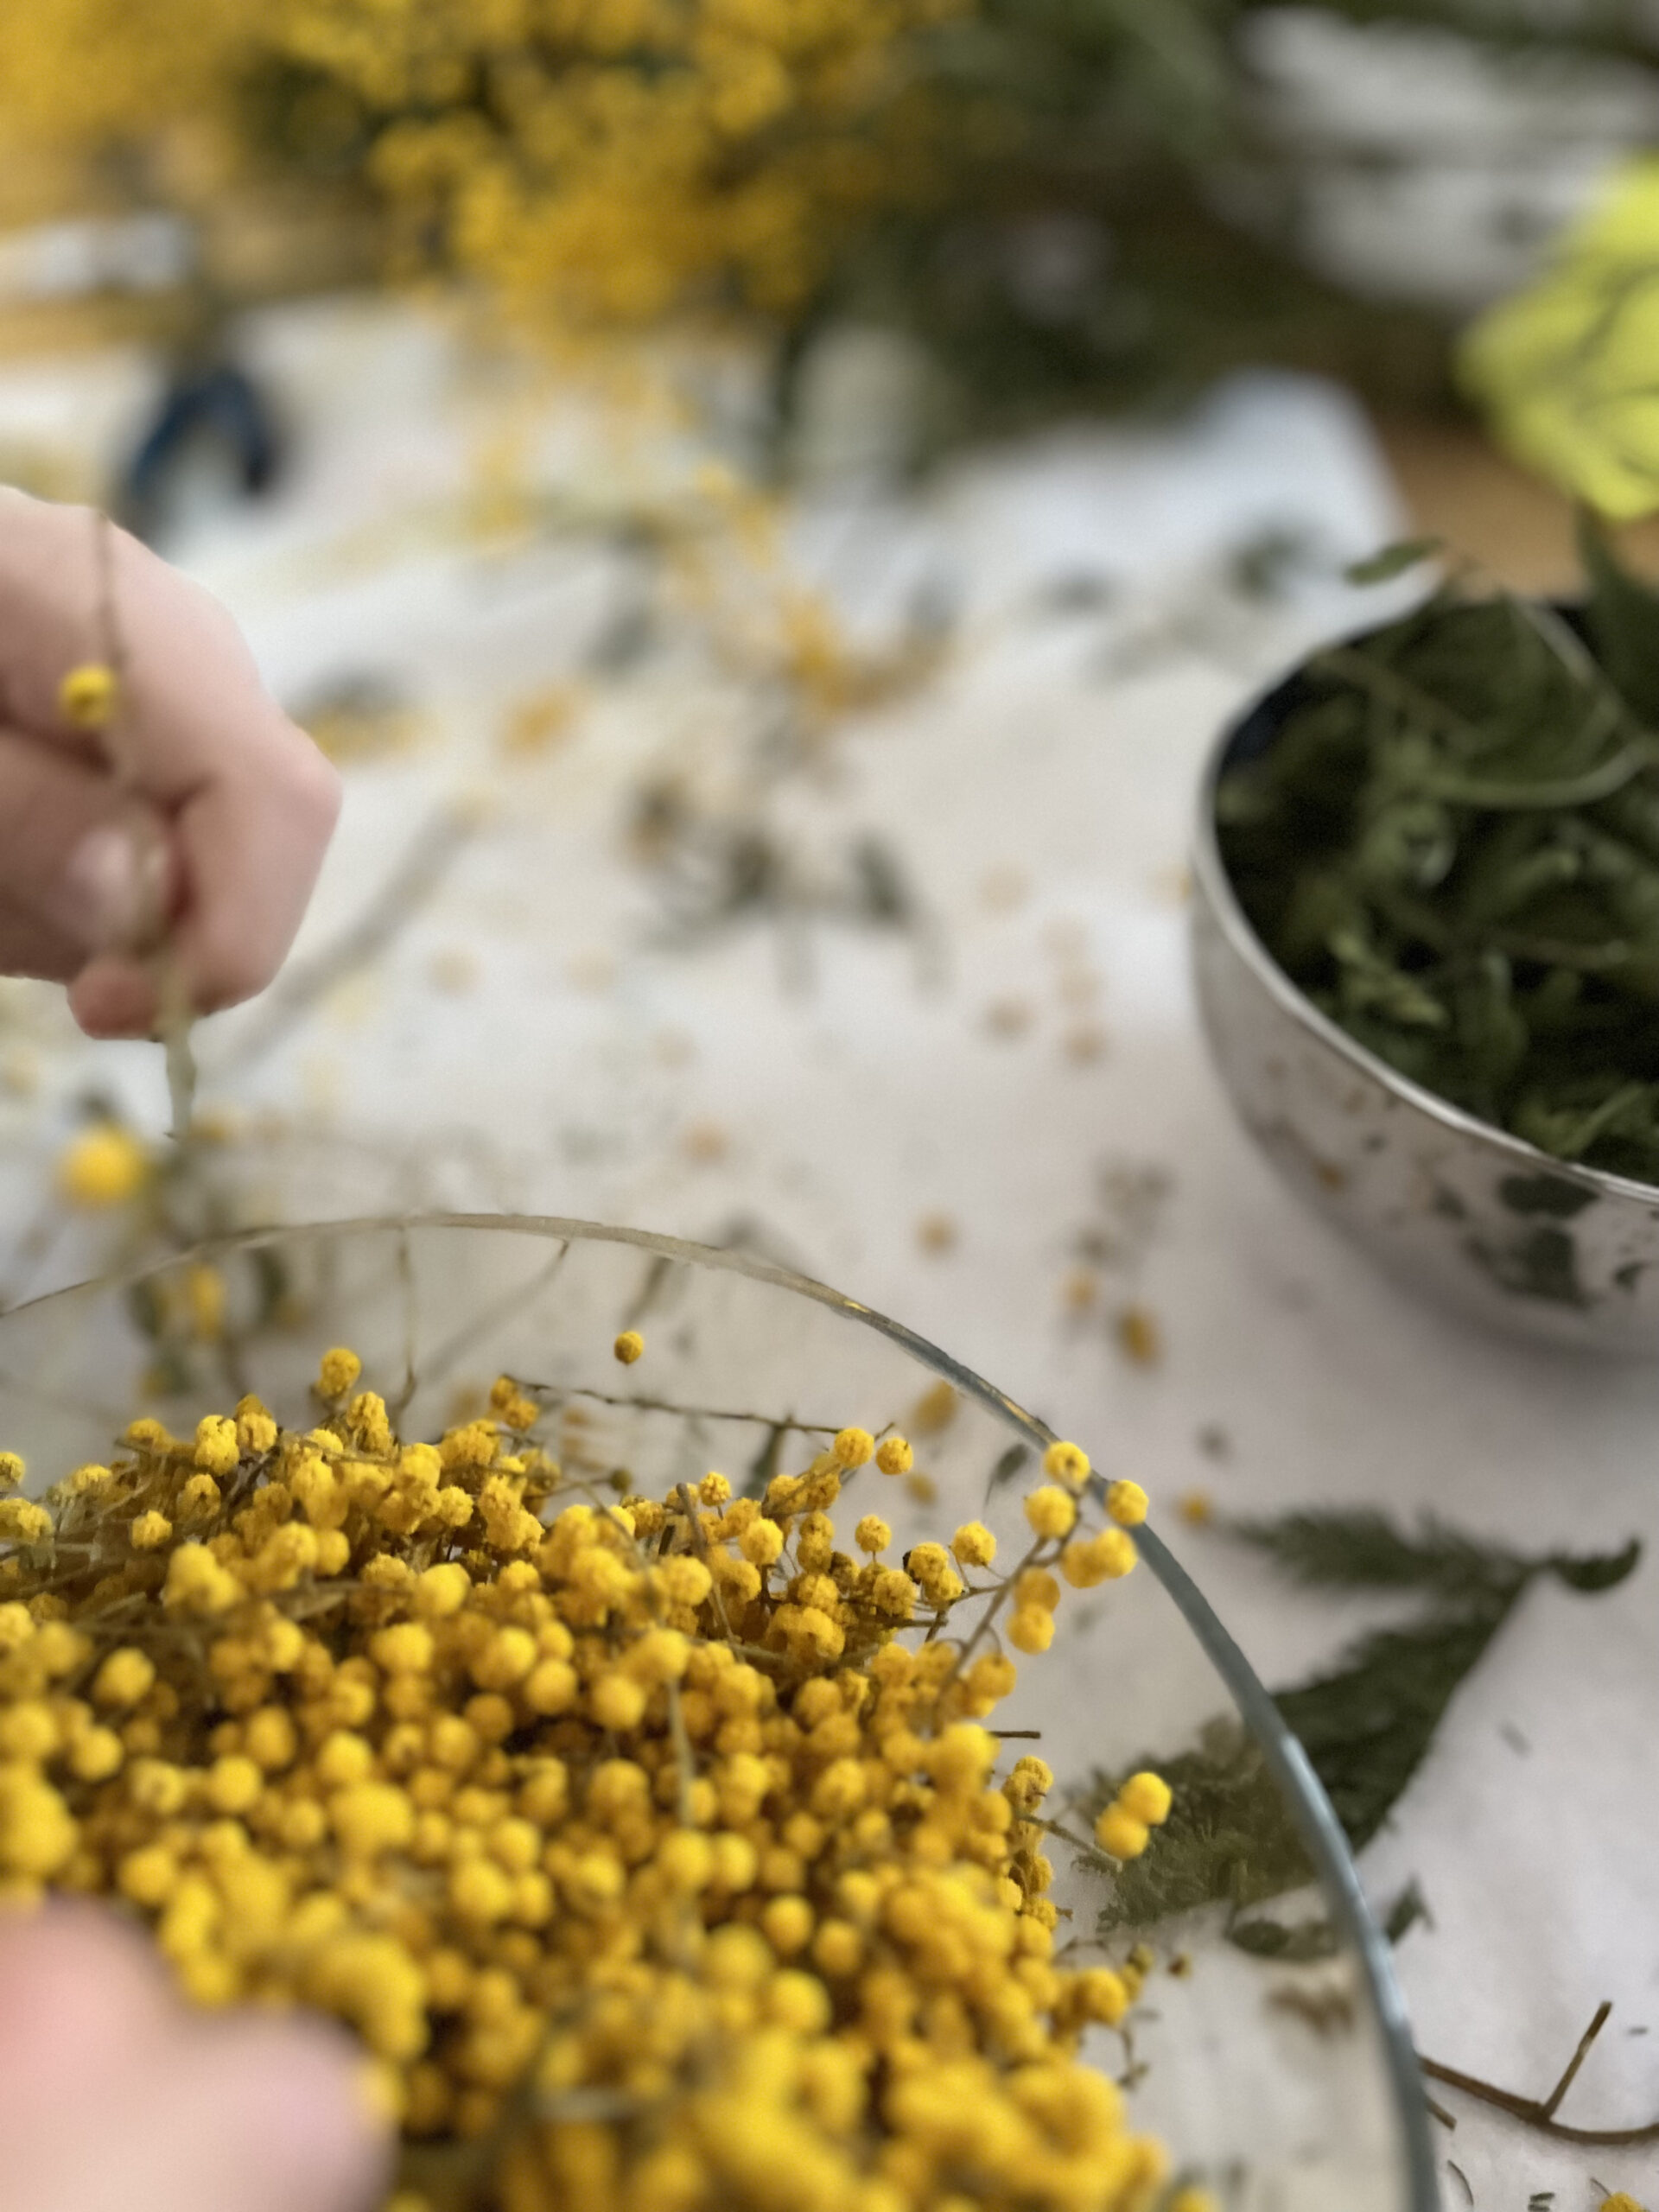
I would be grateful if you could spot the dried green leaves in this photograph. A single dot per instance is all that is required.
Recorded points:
(1452, 844)
(1366, 1724)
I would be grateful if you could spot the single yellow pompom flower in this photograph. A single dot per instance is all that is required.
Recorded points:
(23, 1522)
(1119, 1834)
(104, 1166)
(337, 1371)
(873, 1533)
(628, 1346)
(1127, 1504)
(1035, 1585)
(218, 1446)
(11, 1470)
(38, 1830)
(1030, 1629)
(1115, 1550)
(1146, 1796)
(893, 1456)
(87, 696)
(854, 1447)
(1104, 1995)
(1066, 1463)
(1051, 1511)
(233, 1784)
(125, 1676)
(761, 1543)
(974, 1544)
(1091, 1561)
(1029, 1784)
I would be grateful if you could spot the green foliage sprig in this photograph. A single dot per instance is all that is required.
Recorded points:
(1366, 1724)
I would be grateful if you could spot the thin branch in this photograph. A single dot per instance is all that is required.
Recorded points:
(484, 1324)
(1539, 2113)
(700, 1545)
(560, 1392)
(1552, 2103)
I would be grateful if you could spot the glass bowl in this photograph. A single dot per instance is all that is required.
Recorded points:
(1281, 2087)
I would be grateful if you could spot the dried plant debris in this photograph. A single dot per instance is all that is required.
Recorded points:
(1452, 844)
(1132, 1201)
(1328, 2008)
(365, 715)
(1408, 1908)
(715, 867)
(1291, 1944)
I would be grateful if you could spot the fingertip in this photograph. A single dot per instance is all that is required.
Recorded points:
(317, 787)
(73, 1982)
(114, 996)
(288, 2093)
(253, 848)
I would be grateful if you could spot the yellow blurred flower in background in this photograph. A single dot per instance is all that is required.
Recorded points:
(106, 1165)
(96, 76)
(1568, 371)
(605, 160)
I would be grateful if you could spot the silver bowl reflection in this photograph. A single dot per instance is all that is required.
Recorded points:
(746, 1366)
(1451, 1206)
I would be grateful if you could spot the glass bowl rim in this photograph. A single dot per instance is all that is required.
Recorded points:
(1317, 1823)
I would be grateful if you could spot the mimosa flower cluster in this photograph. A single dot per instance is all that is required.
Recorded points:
(606, 160)
(655, 1848)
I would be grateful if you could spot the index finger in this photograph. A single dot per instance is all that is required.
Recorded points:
(251, 800)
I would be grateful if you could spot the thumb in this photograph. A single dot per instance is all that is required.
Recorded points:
(114, 2098)
(85, 868)
(253, 2115)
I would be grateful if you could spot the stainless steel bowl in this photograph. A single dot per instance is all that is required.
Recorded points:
(1452, 1207)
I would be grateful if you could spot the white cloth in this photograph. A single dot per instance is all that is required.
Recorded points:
(1036, 793)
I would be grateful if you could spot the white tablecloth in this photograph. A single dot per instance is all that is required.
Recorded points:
(948, 1122)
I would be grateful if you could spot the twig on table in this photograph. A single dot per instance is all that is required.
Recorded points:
(1539, 2113)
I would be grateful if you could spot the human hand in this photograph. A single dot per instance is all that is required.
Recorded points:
(113, 2098)
(202, 811)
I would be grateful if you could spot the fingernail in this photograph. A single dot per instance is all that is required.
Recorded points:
(112, 892)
